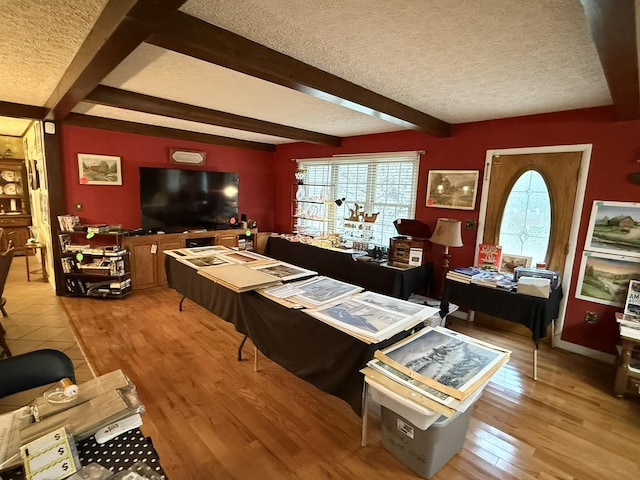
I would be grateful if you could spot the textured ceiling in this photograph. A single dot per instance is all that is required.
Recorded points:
(459, 61)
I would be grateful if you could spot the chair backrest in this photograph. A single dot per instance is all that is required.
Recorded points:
(5, 264)
(34, 369)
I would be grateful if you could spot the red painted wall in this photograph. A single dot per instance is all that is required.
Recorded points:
(121, 204)
(616, 149)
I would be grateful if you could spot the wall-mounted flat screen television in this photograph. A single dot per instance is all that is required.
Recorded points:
(175, 200)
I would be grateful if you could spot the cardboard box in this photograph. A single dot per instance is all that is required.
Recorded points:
(537, 287)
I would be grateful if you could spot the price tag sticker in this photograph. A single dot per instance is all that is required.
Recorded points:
(90, 235)
(154, 248)
(79, 256)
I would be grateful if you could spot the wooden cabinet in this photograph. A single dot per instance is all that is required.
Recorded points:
(627, 371)
(16, 228)
(15, 215)
(147, 258)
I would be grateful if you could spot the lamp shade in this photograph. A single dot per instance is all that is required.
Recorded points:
(448, 232)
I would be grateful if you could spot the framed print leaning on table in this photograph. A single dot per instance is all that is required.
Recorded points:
(452, 189)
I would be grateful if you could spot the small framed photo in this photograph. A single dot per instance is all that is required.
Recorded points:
(510, 262)
(99, 169)
(452, 189)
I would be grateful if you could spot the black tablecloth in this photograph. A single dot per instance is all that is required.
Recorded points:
(535, 313)
(117, 454)
(341, 266)
(310, 349)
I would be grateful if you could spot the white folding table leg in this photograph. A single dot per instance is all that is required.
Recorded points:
(365, 413)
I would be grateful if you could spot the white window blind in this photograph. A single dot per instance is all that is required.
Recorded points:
(381, 185)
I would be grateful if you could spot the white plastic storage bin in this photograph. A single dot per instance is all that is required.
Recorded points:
(420, 416)
(424, 451)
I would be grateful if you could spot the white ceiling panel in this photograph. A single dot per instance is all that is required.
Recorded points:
(459, 61)
(150, 119)
(154, 71)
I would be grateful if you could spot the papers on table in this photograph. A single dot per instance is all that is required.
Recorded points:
(373, 317)
(285, 271)
(239, 278)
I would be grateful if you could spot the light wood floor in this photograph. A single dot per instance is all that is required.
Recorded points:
(211, 417)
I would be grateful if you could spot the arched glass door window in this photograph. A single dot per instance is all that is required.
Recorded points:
(526, 220)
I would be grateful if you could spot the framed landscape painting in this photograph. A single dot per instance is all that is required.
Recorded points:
(614, 227)
(605, 278)
(452, 189)
(510, 262)
(99, 169)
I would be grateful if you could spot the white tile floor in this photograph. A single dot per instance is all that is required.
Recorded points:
(36, 319)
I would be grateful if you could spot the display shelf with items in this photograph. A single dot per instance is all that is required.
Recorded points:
(628, 361)
(359, 227)
(15, 215)
(95, 264)
(311, 209)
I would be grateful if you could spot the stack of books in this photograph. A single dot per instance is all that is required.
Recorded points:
(628, 320)
(463, 274)
(442, 370)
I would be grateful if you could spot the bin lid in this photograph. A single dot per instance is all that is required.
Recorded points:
(412, 228)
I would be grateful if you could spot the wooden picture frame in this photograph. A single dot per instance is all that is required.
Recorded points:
(510, 262)
(614, 227)
(604, 278)
(99, 169)
(445, 360)
(454, 189)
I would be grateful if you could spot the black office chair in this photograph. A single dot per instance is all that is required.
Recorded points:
(34, 369)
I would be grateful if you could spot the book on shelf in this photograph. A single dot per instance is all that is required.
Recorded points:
(489, 257)
(632, 302)
(68, 222)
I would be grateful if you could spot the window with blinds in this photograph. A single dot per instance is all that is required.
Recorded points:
(357, 196)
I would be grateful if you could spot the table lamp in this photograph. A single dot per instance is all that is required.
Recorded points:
(448, 232)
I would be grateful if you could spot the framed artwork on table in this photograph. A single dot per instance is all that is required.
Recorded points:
(614, 227)
(99, 169)
(452, 189)
(605, 278)
(510, 262)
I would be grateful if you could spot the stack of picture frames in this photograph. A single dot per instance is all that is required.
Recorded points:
(437, 368)
(611, 256)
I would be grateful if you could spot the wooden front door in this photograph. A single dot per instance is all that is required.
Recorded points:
(560, 172)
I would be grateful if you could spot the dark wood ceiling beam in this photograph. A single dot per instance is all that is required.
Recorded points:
(191, 36)
(114, 97)
(613, 28)
(164, 132)
(18, 110)
(120, 29)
